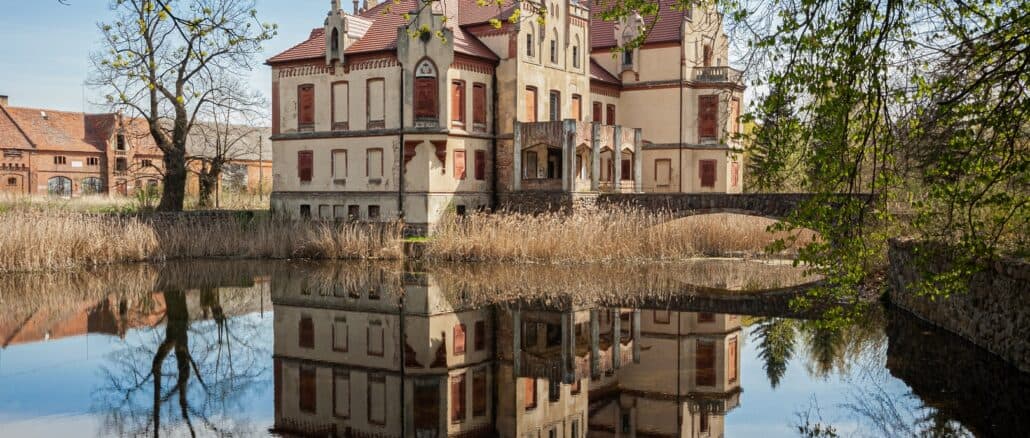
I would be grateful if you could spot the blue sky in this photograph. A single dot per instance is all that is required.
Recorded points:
(45, 56)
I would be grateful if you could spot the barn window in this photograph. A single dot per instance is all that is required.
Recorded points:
(306, 107)
(707, 173)
(305, 165)
(427, 102)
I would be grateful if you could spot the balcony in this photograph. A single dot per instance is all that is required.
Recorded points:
(717, 74)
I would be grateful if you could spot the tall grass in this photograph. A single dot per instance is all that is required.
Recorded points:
(48, 240)
(621, 235)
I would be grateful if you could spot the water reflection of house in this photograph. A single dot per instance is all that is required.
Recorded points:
(355, 357)
(689, 368)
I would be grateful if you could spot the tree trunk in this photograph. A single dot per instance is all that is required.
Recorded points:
(174, 194)
(208, 185)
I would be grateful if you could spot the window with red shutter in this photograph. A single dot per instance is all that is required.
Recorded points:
(306, 107)
(611, 115)
(308, 396)
(426, 105)
(459, 339)
(708, 115)
(479, 106)
(704, 363)
(306, 333)
(480, 335)
(305, 163)
(530, 104)
(458, 398)
(577, 107)
(479, 393)
(598, 112)
(529, 396)
(707, 173)
(459, 165)
(480, 170)
(458, 103)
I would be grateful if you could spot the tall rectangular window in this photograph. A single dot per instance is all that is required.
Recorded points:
(459, 165)
(704, 363)
(611, 115)
(458, 398)
(530, 165)
(340, 335)
(306, 333)
(480, 170)
(663, 172)
(530, 98)
(458, 104)
(627, 169)
(308, 390)
(376, 103)
(707, 173)
(339, 164)
(735, 174)
(459, 339)
(306, 107)
(341, 394)
(577, 107)
(479, 388)
(529, 394)
(555, 106)
(598, 112)
(734, 116)
(374, 163)
(707, 116)
(479, 106)
(375, 338)
(305, 165)
(479, 333)
(341, 106)
(731, 360)
(377, 399)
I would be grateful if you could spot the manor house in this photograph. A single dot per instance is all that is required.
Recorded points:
(416, 110)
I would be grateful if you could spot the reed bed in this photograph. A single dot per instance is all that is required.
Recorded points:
(620, 235)
(32, 240)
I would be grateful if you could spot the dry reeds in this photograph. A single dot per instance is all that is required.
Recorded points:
(34, 240)
(621, 235)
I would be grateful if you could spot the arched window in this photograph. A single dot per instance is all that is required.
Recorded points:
(427, 91)
(59, 186)
(529, 43)
(92, 186)
(334, 44)
(554, 46)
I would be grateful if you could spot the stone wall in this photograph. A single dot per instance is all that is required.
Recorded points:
(994, 313)
(534, 202)
(776, 205)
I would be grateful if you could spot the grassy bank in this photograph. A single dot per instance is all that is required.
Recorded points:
(57, 239)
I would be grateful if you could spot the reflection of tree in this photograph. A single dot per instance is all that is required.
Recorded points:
(776, 337)
(145, 394)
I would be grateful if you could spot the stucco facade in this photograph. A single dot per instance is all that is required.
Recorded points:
(380, 116)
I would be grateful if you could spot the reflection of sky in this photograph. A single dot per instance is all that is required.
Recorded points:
(768, 412)
(53, 386)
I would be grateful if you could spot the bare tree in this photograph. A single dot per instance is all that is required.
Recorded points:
(231, 131)
(166, 61)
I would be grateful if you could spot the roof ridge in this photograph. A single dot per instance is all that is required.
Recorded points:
(26, 108)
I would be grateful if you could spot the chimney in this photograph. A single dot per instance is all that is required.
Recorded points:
(357, 8)
(3, 100)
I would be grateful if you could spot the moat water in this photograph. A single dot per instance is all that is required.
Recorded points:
(705, 349)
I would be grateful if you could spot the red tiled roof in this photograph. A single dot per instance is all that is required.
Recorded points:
(469, 11)
(63, 131)
(312, 48)
(382, 35)
(599, 73)
(11, 136)
(667, 28)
